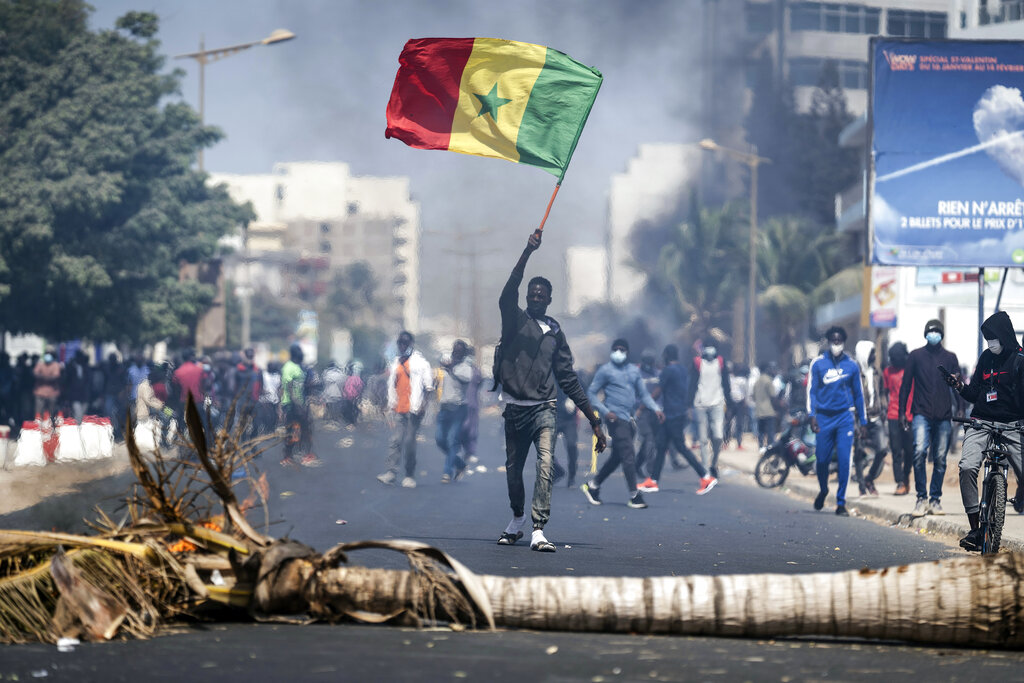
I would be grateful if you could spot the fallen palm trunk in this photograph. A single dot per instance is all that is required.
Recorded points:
(973, 601)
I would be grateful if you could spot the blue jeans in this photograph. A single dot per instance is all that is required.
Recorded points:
(449, 436)
(526, 426)
(834, 431)
(931, 442)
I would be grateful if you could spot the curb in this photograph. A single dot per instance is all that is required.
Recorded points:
(941, 525)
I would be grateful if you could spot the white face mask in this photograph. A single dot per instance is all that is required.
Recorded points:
(618, 357)
(837, 349)
(994, 346)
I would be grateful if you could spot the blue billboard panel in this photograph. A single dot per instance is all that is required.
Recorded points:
(947, 147)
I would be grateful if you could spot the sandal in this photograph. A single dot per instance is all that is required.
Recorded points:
(509, 539)
(543, 547)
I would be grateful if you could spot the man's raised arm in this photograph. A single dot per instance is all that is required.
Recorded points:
(508, 302)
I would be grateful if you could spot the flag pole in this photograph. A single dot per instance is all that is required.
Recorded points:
(548, 210)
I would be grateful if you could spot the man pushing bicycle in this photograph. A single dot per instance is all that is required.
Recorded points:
(995, 394)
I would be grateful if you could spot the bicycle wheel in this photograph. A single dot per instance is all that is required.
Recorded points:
(996, 513)
(771, 470)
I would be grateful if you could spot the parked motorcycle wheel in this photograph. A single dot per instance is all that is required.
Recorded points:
(771, 470)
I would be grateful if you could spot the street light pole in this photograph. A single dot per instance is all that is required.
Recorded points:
(203, 56)
(752, 160)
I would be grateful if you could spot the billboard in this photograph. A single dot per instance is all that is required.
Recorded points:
(947, 153)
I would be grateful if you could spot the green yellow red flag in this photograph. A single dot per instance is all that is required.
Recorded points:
(494, 98)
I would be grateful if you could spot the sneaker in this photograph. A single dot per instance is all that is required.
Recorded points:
(637, 502)
(921, 509)
(446, 479)
(819, 502)
(408, 483)
(706, 484)
(387, 478)
(872, 491)
(288, 462)
(310, 460)
(592, 492)
(459, 474)
(841, 511)
(972, 541)
(901, 490)
(472, 460)
(934, 508)
(648, 485)
(557, 476)
(1018, 503)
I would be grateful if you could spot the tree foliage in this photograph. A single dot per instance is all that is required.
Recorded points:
(99, 205)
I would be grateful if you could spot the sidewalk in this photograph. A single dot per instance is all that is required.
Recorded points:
(886, 507)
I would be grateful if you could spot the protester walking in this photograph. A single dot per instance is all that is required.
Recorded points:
(834, 397)
(295, 405)
(675, 396)
(451, 415)
(932, 410)
(873, 437)
(532, 358)
(764, 407)
(410, 381)
(901, 438)
(623, 387)
(709, 385)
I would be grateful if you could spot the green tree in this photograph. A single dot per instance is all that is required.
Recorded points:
(704, 266)
(99, 204)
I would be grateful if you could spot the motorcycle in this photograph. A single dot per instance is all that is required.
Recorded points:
(793, 447)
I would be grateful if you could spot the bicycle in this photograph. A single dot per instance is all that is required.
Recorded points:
(993, 492)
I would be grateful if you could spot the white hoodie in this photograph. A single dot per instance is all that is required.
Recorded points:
(870, 380)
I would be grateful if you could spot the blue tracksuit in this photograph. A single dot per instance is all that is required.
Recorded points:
(834, 392)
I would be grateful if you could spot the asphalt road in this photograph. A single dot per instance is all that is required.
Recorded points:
(737, 528)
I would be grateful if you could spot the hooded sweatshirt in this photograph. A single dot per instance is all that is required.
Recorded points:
(994, 385)
(870, 380)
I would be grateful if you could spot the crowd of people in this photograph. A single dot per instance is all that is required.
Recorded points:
(133, 387)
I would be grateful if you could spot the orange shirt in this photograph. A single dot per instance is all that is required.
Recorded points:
(402, 386)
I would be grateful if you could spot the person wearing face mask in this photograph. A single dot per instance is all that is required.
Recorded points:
(901, 441)
(834, 395)
(532, 359)
(932, 411)
(994, 393)
(410, 381)
(709, 386)
(623, 387)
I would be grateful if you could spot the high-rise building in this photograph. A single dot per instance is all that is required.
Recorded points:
(315, 217)
(797, 39)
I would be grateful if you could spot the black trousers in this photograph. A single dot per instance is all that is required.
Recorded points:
(623, 453)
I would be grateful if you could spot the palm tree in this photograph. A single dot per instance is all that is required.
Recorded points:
(795, 256)
(703, 266)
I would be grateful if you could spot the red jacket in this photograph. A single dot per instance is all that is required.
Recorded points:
(893, 379)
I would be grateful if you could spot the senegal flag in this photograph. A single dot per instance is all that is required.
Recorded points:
(493, 98)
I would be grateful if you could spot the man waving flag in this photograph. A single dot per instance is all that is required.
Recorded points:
(493, 98)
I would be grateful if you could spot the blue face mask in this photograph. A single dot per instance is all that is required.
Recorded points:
(933, 337)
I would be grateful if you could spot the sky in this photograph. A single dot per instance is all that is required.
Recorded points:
(322, 97)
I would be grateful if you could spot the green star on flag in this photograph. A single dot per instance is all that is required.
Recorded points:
(490, 102)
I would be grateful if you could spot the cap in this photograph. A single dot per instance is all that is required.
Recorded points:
(934, 325)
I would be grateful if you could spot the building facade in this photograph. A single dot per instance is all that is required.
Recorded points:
(316, 217)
